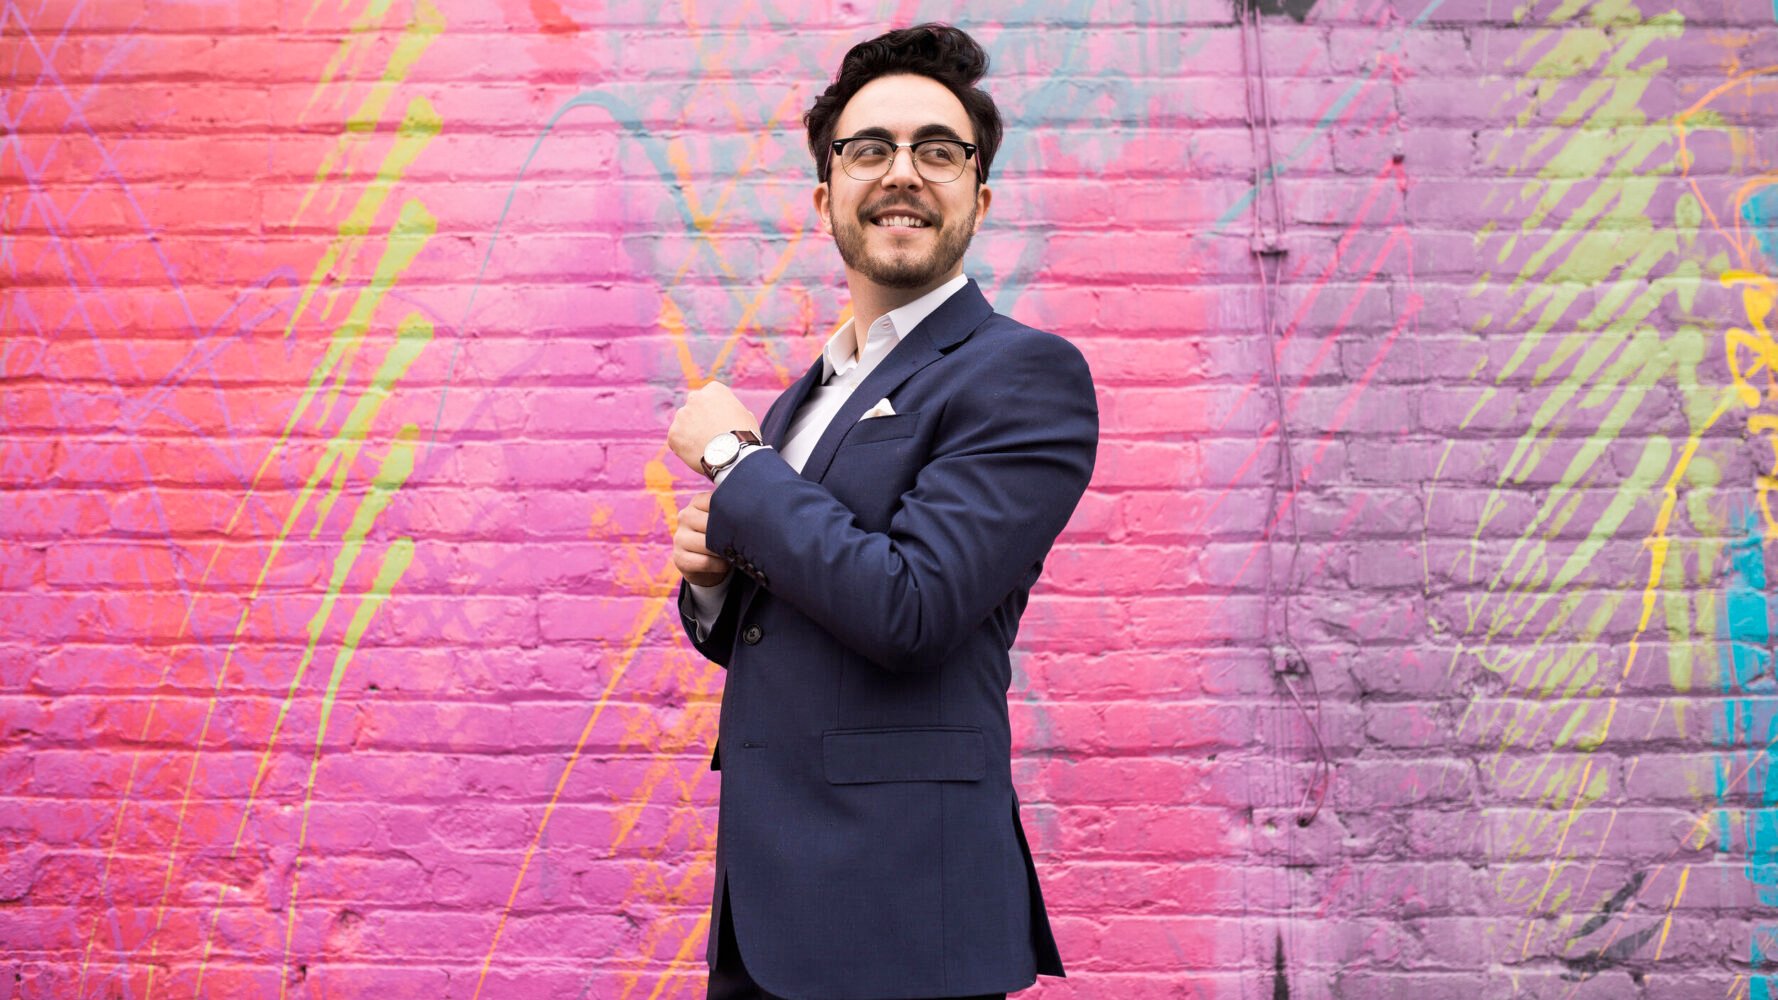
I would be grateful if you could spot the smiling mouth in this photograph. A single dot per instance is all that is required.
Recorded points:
(897, 220)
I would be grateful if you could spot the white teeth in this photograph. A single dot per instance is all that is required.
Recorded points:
(901, 220)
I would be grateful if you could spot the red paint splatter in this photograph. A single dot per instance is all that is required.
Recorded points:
(552, 19)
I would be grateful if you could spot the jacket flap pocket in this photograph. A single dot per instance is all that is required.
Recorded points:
(897, 425)
(936, 753)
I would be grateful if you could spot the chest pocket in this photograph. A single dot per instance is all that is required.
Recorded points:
(876, 463)
(898, 425)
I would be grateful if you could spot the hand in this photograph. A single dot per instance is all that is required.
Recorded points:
(709, 410)
(695, 562)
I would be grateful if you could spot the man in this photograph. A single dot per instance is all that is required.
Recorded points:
(888, 518)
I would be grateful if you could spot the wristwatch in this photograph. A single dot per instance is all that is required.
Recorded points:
(724, 449)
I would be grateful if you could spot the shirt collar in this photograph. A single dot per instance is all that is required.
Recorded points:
(841, 351)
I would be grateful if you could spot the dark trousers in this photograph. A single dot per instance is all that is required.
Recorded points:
(730, 981)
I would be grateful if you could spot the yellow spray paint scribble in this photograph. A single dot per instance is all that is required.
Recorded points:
(660, 485)
(673, 323)
(704, 224)
(702, 732)
(1749, 84)
(1750, 353)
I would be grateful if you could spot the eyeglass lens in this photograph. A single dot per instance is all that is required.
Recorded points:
(935, 159)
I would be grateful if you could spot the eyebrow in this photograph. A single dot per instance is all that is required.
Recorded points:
(933, 130)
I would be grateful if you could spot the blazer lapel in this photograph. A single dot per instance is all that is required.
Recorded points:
(943, 329)
(777, 422)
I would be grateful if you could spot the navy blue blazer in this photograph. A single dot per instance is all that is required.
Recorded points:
(868, 839)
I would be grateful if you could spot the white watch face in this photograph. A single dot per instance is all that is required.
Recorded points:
(722, 449)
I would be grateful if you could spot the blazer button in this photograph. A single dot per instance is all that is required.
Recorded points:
(752, 634)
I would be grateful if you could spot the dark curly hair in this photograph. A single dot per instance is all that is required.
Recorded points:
(939, 51)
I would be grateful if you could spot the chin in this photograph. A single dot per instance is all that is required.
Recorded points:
(902, 267)
(903, 275)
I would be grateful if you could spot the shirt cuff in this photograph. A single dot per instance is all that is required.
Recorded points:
(706, 605)
(746, 449)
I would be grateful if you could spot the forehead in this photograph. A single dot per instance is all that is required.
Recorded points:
(903, 103)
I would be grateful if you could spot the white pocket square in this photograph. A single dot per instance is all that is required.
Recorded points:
(882, 409)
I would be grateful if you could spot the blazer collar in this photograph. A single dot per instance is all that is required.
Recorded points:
(959, 317)
(777, 422)
(947, 326)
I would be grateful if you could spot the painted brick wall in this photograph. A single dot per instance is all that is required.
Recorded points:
(1414, 640)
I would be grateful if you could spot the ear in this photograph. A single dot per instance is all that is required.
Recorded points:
(984, 196)
(822, 198)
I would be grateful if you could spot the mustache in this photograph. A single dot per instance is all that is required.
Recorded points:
(912, 208)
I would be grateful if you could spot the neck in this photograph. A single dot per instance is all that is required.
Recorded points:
(870, 301)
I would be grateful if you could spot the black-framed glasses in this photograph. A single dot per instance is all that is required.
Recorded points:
(867, 157)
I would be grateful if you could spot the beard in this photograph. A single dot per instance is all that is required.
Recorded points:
(903, 268)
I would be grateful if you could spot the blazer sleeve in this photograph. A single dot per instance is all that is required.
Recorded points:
(1010, 460)
(715, 647)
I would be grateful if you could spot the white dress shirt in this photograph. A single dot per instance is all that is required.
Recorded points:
(842, 371)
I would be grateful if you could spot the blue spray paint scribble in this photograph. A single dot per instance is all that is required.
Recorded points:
(1760, 212)
(1746, 781)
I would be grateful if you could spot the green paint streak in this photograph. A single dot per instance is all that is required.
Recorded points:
(396, 560)
(1630, 492)
(1556, 299)
(427, 25)
(417, 130)
(411, 338)
(1703, 476)
(413, 230)
(350, 48)
(342, 448)
(1650, 472)
(1575, 52)
(1579, 714)
(397, 466)
(415, 333)
(1595, 279)
(408, 236)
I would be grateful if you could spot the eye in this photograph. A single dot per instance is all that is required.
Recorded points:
(867, 148)
(939, 152)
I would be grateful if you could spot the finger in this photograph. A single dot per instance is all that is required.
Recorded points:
(696, 562)
(692, 540)
(695, 518)
(692, 562)
(696, 570)
(700, 501)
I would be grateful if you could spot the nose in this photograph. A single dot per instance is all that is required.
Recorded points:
(902, 174)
